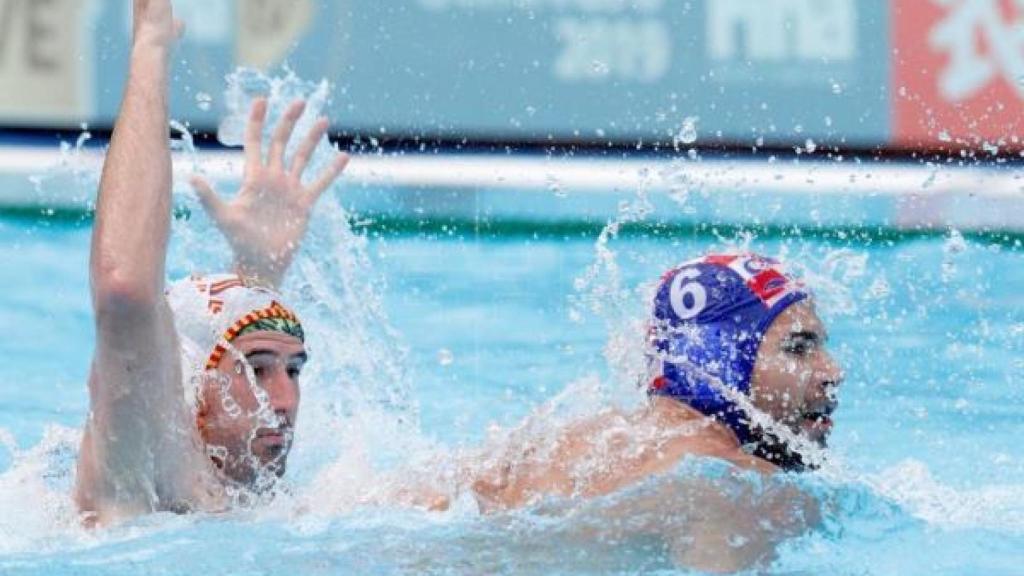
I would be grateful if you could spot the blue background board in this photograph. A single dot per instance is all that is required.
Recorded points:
(781, 71)
(530, 74)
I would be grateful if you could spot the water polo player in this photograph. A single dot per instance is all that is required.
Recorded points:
(739, 372)
(733, 337)
(190, 400)
(245, 350)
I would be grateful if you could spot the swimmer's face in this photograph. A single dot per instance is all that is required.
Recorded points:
(248, 427)
(795, 378)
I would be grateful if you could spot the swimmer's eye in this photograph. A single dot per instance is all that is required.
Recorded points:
(800, 344)
(795, 348)
(294, 372)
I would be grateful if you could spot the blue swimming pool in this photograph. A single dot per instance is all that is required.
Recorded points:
(428, 335)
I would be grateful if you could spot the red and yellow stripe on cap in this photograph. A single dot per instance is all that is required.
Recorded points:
(275, 310)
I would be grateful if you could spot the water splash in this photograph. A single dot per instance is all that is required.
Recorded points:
(952, 248)
(833, 278)
(35, 494)
(72, 180)
(204, 101)
(359, 362)
(600, 291)
(911, 484)
(687, 133)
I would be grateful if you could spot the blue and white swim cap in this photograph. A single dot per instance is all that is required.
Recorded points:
(710, 315)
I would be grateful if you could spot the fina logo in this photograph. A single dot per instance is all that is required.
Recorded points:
(781, 30)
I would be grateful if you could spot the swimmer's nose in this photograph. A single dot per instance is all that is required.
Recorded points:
(837, 376)
(283, 392)
(831, 375)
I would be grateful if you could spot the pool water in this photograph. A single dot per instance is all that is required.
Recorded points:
(422, 342)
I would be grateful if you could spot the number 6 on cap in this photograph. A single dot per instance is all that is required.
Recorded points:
(679, 291)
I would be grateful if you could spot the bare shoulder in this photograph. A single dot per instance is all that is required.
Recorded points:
(713, 442)
(604, 452)
(687, 432)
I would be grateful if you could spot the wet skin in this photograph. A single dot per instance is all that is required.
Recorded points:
(243, 434)
(794, 381)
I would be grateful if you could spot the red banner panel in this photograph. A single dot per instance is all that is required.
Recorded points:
(958, 73)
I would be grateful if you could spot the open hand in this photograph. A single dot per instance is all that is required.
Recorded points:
(266, 221)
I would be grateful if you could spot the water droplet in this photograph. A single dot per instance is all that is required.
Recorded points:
(687, 133)
(879, 289)
(930, 180)
(204, 101)
(737, 541)
(810, 146)
(555, 187)
(599, 68)
(445, 357)
(837, 88)
(82, 139)
(945, 137)
(955, 243)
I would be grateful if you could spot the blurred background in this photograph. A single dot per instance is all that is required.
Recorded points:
(868, 74)
(938, 83)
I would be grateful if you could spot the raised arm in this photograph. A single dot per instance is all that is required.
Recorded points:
(129, 242)
(139, 450)
(266, 220)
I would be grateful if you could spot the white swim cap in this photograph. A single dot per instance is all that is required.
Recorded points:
(211, 311)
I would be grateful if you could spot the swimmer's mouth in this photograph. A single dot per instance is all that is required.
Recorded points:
(274, 435)
(820, 416)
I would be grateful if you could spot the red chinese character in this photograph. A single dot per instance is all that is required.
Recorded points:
(958, 72)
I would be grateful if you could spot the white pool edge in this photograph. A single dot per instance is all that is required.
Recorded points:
(917, 194)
